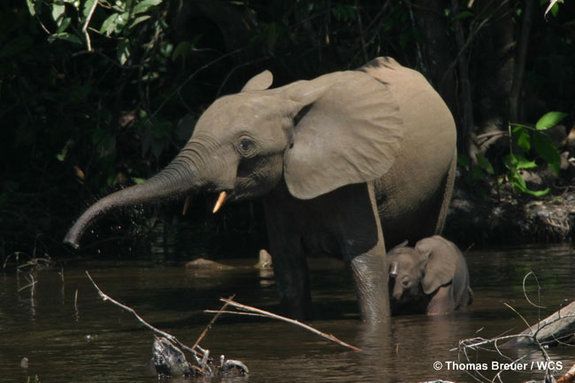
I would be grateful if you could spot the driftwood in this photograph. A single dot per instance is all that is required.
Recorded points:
(168, 357)
(168, 354)
(253, 311)
(556, 328)
(569, 376)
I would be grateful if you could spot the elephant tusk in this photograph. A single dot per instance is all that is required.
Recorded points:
(393, 270)
(187, 204)
(220, 201)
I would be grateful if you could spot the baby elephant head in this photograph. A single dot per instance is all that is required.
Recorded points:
(421, 269)
(407, 267)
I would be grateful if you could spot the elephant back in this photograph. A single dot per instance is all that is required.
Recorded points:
(411, 193)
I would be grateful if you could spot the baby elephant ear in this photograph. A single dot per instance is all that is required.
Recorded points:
(348, 132)
(261, 81)
(442, 260)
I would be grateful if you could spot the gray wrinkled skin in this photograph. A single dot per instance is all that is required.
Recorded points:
(430, 278)
(347, 163)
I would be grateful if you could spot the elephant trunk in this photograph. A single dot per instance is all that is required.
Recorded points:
(178, 178)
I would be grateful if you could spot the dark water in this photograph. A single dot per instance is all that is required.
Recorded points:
(97, 342)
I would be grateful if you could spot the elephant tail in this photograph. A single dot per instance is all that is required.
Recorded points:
(447, 194)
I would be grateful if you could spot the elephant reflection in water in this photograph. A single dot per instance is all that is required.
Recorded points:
(430, 278)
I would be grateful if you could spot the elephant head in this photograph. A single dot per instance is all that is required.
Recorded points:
(316, 136)
(423, 268)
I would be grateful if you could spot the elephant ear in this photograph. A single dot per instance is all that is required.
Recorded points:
(442, 262)
(348, 131)
(261, 81)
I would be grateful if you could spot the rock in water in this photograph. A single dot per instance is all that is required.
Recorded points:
(169, 360)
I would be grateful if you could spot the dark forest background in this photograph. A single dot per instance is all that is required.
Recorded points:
(93, 95)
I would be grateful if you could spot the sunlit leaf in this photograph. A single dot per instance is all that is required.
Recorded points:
(31, 7)
(553, 7)
(58, 11)
(525, 164)
(139, 20)
(64, 24)
(519, 184)
(138, 181)
(549, 120)
(88, 7)
(109, 25)
(144, 5)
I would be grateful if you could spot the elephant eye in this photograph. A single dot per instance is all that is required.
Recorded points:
(246, 146)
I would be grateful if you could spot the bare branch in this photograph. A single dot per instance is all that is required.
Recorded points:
(197, 352)
(268, 314)
(209, 326)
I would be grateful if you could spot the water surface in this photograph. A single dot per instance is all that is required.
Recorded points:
(87, 340)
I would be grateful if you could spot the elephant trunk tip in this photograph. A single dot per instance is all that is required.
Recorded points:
(72, 239)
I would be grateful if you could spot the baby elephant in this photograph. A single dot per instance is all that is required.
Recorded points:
(430, 278)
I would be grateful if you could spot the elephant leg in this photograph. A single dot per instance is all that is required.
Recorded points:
(371, 276)
(292, 278)
(289, 264)
(442, 302)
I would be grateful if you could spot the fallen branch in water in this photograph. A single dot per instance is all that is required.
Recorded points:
(253, 311)
(569, 376)
(550, 331)
(209, 326)
(198, 352)
(168, 358)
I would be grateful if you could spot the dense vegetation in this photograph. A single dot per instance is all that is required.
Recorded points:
(93, 94)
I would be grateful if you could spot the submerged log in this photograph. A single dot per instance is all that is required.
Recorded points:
(170, 361)
(558, 327)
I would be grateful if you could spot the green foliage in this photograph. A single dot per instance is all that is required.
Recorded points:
(91, 90)
(530, 148)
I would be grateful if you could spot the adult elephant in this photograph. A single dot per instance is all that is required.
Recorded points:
(343, 161)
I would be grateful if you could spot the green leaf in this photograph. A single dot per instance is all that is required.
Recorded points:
(519, 184)
(139, 19)
(58, 11)
(88, 7)
(463, 161)
(66, 37)
(522, 137)
(64, 152)
(546, 150)
(138, 181)
(183, 49)
(31, 7)
(523, 163)
(553, 7)
(144, 5)
(485, 164)
(549, 120)
(65, 23)
(109, 25)
(462, 15)
(123, 51)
